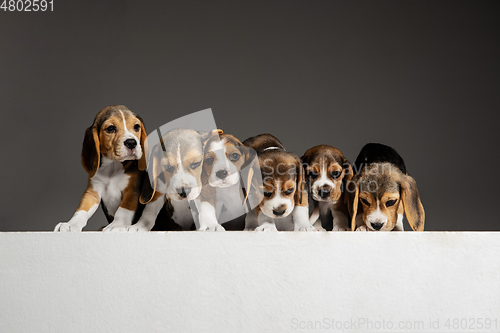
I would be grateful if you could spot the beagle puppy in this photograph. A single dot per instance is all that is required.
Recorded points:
(284, 206)
(175, 170)
(326, 172)
(382, 191)
(223, 199)
(113, 156)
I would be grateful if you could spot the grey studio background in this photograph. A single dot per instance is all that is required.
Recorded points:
(421, 76)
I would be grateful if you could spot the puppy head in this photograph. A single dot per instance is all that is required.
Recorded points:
(225, 156)
(118, 134)
(326, 171)
(383, 192)
(176, 164)
(282, 181)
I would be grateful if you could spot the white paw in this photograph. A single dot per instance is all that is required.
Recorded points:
(215, 227)
(116, 227)
(361, 228)
(266, 227)
(67, 227)
(306, 228)
(138, 228)
(317, 225)
(339, 228)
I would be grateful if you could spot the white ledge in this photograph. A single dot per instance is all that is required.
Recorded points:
(247, 282)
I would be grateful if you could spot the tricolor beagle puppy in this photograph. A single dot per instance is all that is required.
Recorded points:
(285, 205)
(223, 199)
(381, 191)
(327, 171)
(175, 171)
(113, 155)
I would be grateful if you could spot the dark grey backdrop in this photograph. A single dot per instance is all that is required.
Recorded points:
(421, 76)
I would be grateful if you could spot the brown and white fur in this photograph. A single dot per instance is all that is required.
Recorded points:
(112, 155)
(222, 198)
(382, 191)
(175, 169)
(285, 203)
(326, 173)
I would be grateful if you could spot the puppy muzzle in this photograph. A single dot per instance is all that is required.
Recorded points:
(279, 211)
(376, 225)
(322, 193)
(130, 150)
(224, 179)
(184, 193)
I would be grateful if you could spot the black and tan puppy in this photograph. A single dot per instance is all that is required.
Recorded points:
(327, 171)
(285, 204)
(381, 191)
(113, 156)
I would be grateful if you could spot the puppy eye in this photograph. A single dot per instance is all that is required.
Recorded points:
(289, 191)
(313, 175)
(137, 127)
(194, 165)
(234, 157)
(335, 174)
(169, 168)
(390, 203)
(365, 202)
(209, 160)
(111, 129)
(267, 194)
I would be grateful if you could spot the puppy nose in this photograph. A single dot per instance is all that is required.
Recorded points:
(130, 143)
(278, 211)
(184, 191)
(377, 226)
(324, 192)
(221, 174)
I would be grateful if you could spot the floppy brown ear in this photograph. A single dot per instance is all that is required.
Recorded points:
(248, 167)
(247, 154)
(414, 210)
(250, 155)
(207, 191)
(91, 152)
(144, 147)
(205, 136)
(148, 191)
(352, 202)
(250, 184)
(300, 189)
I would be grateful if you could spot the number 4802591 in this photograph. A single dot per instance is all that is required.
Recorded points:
(27, 5)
